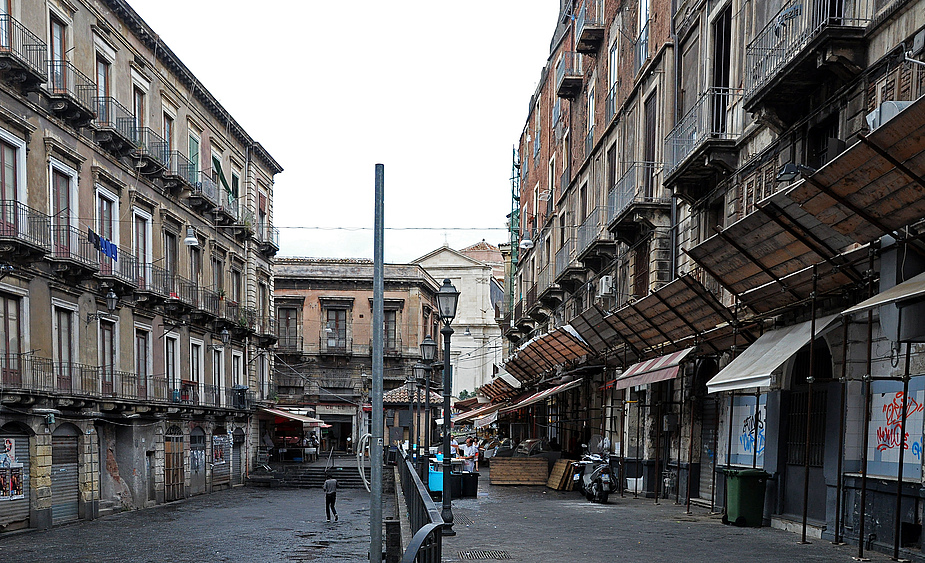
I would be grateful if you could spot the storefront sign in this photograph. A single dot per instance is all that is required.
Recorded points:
(10, 472)
(221, 447)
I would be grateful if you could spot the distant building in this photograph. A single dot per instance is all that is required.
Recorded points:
(476, 345)
(324, 311)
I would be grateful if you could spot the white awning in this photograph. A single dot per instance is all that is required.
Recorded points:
(543, 395)
(906, 291)
(311, 421)
(756, 365)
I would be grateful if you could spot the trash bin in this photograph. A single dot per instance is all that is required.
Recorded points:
(456, 485)
(470, 484)
(745, 496)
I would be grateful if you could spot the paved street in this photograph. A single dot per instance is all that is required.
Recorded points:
(528, 524)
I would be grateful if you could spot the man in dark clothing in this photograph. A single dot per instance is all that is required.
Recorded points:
(330, 496)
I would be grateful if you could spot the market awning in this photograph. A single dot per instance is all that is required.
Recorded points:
(650, 371)
(754, 368)
(292, 416)
(547, 352)
(483, 421)
(542, 395)
(475, 413)
(599, 335)
(777, 240)
(875, 186)
(907, 291)
(500, 388)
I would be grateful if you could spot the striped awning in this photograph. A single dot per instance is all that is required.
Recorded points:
(650, 371)
(543, 395)
(475, 413)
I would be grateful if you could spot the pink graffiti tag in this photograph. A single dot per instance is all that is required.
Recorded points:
(890, 435)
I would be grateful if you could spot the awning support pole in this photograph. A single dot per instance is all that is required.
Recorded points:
(732, 398)
(716, 405)
(755, 424)
(677, 488)
(841, 433)
(657, 424)
(639, 474)
(902, 443)
(623, 437)
(866, 428)
(690, 442)
(809, 405)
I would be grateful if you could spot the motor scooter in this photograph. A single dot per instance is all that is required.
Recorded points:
(593, 475)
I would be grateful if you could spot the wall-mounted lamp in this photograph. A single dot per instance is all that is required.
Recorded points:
(6, 269)
(790, 171)
(468, 332)
(191, 239)
(112, 300)
(526, 243)
(225, 337)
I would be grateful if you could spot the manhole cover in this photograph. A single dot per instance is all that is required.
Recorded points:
(462, 519)
(494, 554)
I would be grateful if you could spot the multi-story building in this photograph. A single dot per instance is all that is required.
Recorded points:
(476, 345)
(701, 178)
(323, 361)
(136, 247)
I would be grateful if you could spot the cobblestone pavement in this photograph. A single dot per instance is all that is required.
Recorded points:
(526, 524)
(240, 525)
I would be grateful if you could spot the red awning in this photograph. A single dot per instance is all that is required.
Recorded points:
(650, 371)
(542, 395)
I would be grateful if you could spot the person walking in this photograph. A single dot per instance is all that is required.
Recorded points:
(330, 496)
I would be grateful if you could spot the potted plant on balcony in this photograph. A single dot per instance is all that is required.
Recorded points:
(221, 294)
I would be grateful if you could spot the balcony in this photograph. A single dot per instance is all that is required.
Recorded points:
(569, 75)
(641, 49)
(71, 93)
(22, 55)
(391, 346)
(121, 273)
(207, 304)
(611, 103)
(266, 331)
(595, 245)
(115, 126)
(150, 152)
(227, 213)
(25, 234)
(72, 252)
(704, 140)
(335, 346)
(806, 44)
(522, 322)
(589, 27)
(632, 206)
(289, 344)
(267, 240)
(204, 194)
(569, 272)
(152, 284)
(180, 174)
(547, 290)
(589, 141)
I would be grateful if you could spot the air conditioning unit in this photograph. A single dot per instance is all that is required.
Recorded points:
(605, 287)
(887, 111)
(544, 195)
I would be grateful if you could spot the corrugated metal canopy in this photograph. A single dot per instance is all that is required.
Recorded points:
(498, 389)
(650, 371)
(592, 328)
(874, 187)
(279, 413)
(770, 244)
(542, 395)
(909, 290)
(545, 353)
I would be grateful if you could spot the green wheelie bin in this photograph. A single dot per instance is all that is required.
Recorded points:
(745, 496)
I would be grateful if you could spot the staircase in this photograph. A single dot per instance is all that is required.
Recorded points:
(309, 477)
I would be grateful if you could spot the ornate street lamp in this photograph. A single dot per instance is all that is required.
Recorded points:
(447, 299)
(428, 354)
(420, 377)
(409, 386)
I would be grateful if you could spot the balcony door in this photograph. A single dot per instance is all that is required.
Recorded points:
(61, 211)
(107, 356)
(10, 345)
(336, 328)
(288, 327)
(8, 188)
(58, 50)
(64, 356)
(722, 61)
(170, 261)
(6, 28)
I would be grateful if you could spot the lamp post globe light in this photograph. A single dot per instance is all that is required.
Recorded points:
(420, 377)
(409, 386)
(428, 353)
(447, 299)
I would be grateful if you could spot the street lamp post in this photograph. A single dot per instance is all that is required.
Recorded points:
(447, 299)
(409, 386)
(420, 376)
(428, 353)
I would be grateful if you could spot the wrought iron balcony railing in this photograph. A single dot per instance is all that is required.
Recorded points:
(565, 256)
(65, 80)
(289, 343)
(206, 188)
(25, 48)
(637, 185)
(591, 228)
(791, 30)
(21, 223)
(124, 268)
(73, 245)
(569, 75)
(641, 48)
(149, 144)
(112, 115)
(180, 166)
(717, 115)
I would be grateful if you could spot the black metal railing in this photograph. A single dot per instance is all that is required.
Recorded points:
(110, 114)
(717, 115)
(181, 167)
(268, 235)
(426, 545)
(334, 344)
(64, 79)
(206, 188)
(123, 268)
(70, 244)
(289, 343)
(641, 48)
(149, 144)
(21, 223)
(21, 44)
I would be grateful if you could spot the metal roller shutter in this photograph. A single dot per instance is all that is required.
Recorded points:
(12, 509)
(236, 453)
(708, 439)
(65, 488)
(221, 451)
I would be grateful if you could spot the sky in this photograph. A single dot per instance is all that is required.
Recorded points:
(435, 90)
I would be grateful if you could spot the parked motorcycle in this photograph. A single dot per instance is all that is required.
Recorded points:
(593, 475)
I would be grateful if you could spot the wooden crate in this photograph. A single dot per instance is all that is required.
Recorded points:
(519, 471)
(561, 475)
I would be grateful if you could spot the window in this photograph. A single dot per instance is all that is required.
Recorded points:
(218, 275)
(104, 216)
(102, 89)
(107, 355)
(194, 154)
(10, 340)
(168, 131)
(262, 382)
(64, 347)
(590, 119)
(287, 319)
(195, 265)
(391, 337)
(262, 299)
(237, 364)
(142, 359)
(170, 253)
(8, 179)
(58, 51)
(138, 106)
(218, 374)
(336, 328)
(641, 274)
(236, 285)
(171, 362)
(195, 363)
(235, 184)
(61, 198)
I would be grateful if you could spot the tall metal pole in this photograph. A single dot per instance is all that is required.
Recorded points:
(375, 509)
(447, 511)
(809, 406)
(410, 422)
(841, 432)
(865, 432)
(427, 414)
(902, 444)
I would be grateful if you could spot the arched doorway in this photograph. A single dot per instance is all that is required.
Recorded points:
(237, 457)
(65, 470)
(14, 477)
(796, 411)
(173, 464)
(197, 461)
(221, 452)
